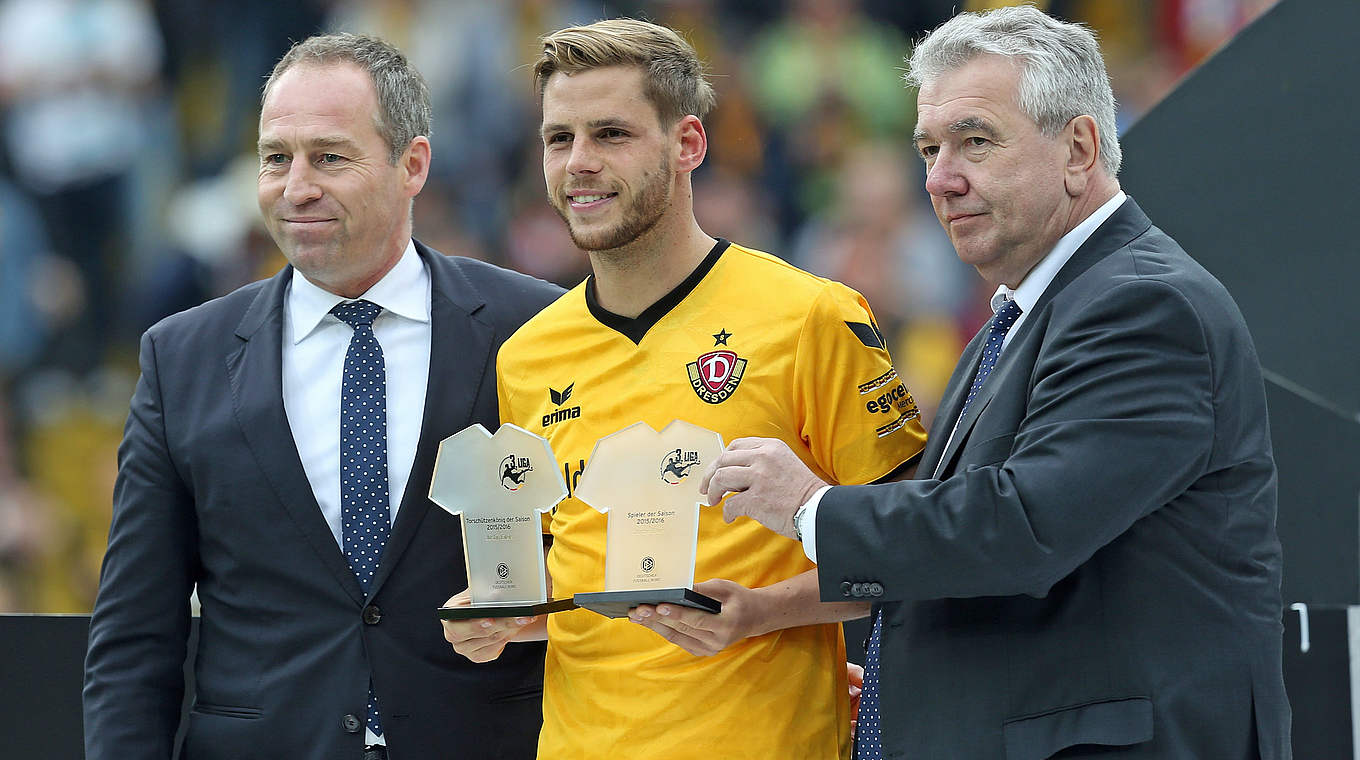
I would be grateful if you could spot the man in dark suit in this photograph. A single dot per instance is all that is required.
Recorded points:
(1087, 564)
(317, 578)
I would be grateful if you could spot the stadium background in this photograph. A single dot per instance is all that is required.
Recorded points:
(127, 170)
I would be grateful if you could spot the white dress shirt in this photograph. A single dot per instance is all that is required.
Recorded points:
(314, 346)
(1025, 296)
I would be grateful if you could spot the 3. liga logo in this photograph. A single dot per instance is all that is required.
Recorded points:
(513, 470)
(677, 464)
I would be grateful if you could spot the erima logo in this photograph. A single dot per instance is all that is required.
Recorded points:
(513, 470)
(677, 464)
(559, 398)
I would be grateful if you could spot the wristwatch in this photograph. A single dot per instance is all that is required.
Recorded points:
(798, 521)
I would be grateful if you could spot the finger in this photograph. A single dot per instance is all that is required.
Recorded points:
(694, 646)
(742, 457)
(640, 613)
(747, 443)
(708, 476)
(734, 507)
(685, 620)
(485, 652)
(461, 599)
(458, 631)
(725, 480)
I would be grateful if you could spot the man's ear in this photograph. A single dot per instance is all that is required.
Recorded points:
(693, 144)
(1081, 137)
(415, 165)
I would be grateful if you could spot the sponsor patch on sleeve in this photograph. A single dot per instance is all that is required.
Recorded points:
(878, 382)
(888, 395)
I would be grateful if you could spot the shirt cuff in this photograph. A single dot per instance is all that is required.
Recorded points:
(809, 523)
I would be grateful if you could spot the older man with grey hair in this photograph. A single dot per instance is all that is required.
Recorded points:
(1087, 564)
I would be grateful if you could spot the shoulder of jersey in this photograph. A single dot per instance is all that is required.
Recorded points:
(556, 315)
(768, 272)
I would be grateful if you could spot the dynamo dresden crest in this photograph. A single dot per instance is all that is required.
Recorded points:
(715, 375)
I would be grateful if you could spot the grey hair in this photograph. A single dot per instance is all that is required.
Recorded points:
(1062, 72)
(403, 97)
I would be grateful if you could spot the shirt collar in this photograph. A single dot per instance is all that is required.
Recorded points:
(1036, 282)
(402, 291)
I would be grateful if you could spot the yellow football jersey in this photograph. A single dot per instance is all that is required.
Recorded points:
(747, 346)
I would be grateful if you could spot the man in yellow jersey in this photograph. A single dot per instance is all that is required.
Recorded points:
(675, 324)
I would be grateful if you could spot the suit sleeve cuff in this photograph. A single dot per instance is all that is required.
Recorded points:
(809, 523)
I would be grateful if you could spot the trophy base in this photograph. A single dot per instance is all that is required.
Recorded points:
(615, 604)
(526, 609)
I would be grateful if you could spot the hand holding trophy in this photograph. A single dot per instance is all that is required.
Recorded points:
(498, 485)
(648, 484)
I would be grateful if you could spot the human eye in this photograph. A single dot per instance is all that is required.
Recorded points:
(976, 141)
(273, 159)
(557, 138)
(330, 158)
(927, 151)
(612, 133)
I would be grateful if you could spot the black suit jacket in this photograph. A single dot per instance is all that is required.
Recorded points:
(1091, 565)
(211, 492)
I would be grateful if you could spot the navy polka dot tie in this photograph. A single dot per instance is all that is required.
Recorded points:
(1001, 324)
(869, 725)
(869, 731)
(364, 506)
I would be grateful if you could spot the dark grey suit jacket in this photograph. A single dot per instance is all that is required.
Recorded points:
(211, 492)
(1095, 567)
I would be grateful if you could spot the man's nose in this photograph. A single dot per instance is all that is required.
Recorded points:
(945, 176)
(301, 186)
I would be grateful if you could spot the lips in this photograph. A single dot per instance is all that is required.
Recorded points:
(588, 199)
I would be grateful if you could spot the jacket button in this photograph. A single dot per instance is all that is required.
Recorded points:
(372, 614)
(351, 723)
(876, 589)
(846, 588)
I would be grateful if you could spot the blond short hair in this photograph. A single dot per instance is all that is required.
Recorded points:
(673, 77)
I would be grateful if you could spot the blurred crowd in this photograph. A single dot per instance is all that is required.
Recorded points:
(127, 174)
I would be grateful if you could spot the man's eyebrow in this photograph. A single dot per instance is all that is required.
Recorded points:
(966, 124)
(973, 124)
(612, 121)
(272, 144)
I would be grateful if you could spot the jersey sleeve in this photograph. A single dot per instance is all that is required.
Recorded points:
(857, 417)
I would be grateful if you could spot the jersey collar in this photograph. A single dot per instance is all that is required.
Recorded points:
(634, 328)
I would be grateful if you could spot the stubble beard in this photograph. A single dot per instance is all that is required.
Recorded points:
(643, 214)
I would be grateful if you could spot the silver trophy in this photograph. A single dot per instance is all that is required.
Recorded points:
(648, 484)
(499, 486)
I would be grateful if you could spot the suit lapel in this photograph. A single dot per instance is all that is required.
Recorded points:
(460, 348)
(985, 393)
(950, 403)
(255, 370)
(1126, 223)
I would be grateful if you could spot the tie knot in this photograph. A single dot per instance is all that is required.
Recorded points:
(356, 313)
(1006, 316)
